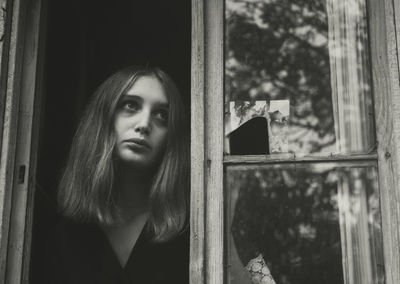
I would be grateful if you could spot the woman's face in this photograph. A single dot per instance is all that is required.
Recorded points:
(140, 123)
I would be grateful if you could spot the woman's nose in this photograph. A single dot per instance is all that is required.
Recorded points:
(143, 123)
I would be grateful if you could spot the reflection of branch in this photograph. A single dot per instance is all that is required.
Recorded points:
(319, 147)
(247, 2)
(302, 135)
(283, 85)
(308, 45)
(306, 125)
(316, 146)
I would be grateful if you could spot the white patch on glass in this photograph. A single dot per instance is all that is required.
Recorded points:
(275, 111)
(259, 271)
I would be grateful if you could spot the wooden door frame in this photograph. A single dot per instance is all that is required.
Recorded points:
(22, 53)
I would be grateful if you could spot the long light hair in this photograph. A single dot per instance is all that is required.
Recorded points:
(86, 187)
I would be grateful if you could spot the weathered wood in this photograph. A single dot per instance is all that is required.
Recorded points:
(197, 200)
(396, 4)
(11, 77)
(293, 158)
(30, 21)
(313, 165)
(385, 73)
(214, 105)
(5, 28)
(39, 23)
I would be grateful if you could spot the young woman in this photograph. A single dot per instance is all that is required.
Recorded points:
(124, 192)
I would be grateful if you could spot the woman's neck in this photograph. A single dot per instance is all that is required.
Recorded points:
(133, 193)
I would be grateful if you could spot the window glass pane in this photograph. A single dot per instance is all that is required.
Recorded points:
(302, 67)
(303, 224)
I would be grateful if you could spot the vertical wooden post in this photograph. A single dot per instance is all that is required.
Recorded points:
(207, 143)
(386, 89)
(214, 139)
(9, 79)
(197, 200)
(26, 148)
(18, 86)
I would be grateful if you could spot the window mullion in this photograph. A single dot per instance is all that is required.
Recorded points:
(197, 200)
(293, 158)
(385, 74)
(214, 105)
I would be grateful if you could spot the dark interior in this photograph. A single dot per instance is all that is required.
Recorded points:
(86, 41)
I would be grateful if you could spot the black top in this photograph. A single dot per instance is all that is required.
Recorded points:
(81, 253)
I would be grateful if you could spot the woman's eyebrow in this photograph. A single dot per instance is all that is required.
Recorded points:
(140, 99)
(162, 105)
(132, 96)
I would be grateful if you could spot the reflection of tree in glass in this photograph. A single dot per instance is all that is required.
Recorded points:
(277, 49)
(242, 109)
(246, 110)
(291, 218)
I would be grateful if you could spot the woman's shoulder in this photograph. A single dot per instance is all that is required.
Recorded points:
(70, 243)
(68, 231)
(61, 252)
(179, 243)
(166, 262)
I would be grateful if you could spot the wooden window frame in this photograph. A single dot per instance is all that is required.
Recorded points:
(207, 165)
(21, 70)
(20, 67)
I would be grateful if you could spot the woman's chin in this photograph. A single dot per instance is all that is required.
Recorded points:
(138, 162)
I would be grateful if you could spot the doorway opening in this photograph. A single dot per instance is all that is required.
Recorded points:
(87, 41)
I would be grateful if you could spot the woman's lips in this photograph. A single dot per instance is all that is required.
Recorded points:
(138, 143)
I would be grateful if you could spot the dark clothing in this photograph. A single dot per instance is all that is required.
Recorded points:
(81, 253)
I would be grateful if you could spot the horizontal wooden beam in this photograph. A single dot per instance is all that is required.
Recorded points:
(293, 158)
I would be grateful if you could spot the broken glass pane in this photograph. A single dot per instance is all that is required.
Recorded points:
(303, 66)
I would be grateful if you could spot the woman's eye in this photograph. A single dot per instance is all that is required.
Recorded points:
(162, 115)
(131, 106)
